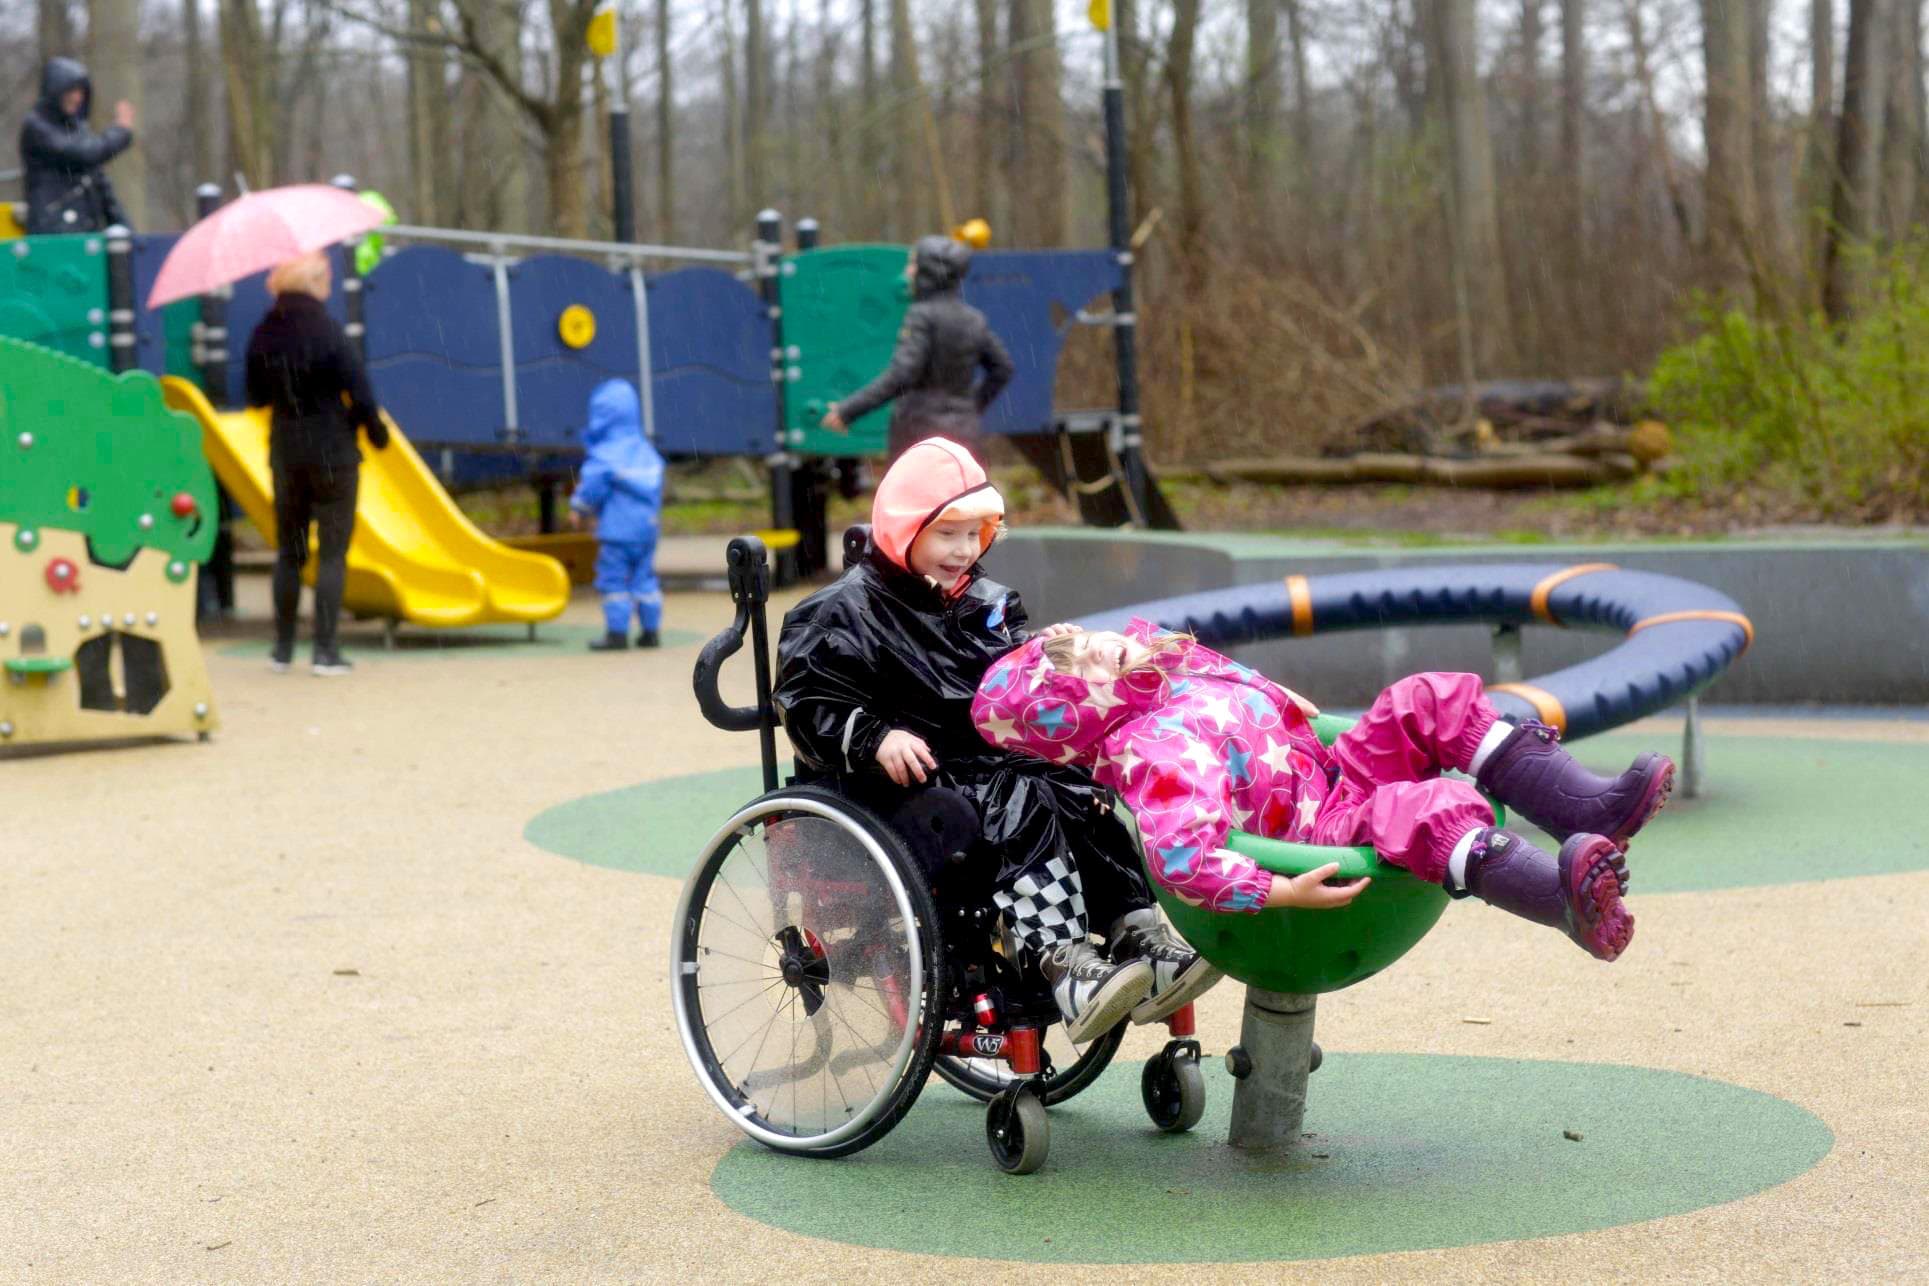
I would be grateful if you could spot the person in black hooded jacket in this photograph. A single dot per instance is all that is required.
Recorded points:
(943, 343)
(62, 158)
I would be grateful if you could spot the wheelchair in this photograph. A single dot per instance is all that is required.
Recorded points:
(828, 959)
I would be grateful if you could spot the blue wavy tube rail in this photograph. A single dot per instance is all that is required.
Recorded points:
(1679, 635)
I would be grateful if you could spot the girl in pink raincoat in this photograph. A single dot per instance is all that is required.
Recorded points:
(1198, 745)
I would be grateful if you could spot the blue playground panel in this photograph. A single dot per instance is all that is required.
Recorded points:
(1015, 289)
(553, 380)
(433, 346)
(710, 355)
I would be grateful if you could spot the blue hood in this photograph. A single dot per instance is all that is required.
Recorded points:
(614, 413)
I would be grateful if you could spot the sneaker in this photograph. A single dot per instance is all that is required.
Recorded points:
(612, 641)
(648, 638)
(1180, 975)
(1094, 995)
(281, 662)
(332, 665)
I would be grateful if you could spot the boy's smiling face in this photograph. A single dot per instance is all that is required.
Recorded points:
(946, 549)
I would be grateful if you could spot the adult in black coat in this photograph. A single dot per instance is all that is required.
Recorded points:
(67, 191)
(941, 347)
(300, 365)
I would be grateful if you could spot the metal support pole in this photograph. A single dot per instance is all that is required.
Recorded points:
(356, 330)
(1506, 654)
(810, 479)
(546, 505)
(1125, 324)
(506, 345)
(120, 300)
(622, 189)
(1270, 1064)
(645, 371)
(1692, 751)
(768, 252)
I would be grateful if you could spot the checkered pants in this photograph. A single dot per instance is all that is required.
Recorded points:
(1045, 906)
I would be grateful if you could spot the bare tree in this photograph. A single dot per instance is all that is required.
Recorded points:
(1858, 151)
(1262, 106)
(1038, 125)
(1902, 129)
(199, 120)
(908, 111)
(1573, 98)
(114, 37)
(665, 137)
(1480, 288)
(1818, 162)
(984, 140)
(1729, 182)
(431, 161)
(247, 75)
(1530, 86)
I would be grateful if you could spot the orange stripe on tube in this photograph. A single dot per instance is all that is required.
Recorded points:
(1541, 591)
(1301, 595)
(1706, 614)
(1545, 703)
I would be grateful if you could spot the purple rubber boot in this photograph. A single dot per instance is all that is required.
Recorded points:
(1533, 774)
(1578, 892)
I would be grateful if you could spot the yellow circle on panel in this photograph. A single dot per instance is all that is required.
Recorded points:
(577, 326)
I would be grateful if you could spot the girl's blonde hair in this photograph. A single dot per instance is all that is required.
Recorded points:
(308, 275)
(1061, 651)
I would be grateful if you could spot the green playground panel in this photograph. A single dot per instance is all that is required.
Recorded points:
(83, 450)
(1307, 952)
(177, 328)
(842, 310)
(53, 292)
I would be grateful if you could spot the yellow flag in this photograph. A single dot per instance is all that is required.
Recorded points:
(1100, 12)
(602, 32)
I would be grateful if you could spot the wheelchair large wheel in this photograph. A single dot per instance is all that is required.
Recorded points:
(805, 970)
(1069, 1068)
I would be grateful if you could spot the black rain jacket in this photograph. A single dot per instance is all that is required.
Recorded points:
(882, 648)
(62, 158)
(941, 347)
(301, 366)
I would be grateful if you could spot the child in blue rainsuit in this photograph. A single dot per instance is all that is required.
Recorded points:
(622, 487)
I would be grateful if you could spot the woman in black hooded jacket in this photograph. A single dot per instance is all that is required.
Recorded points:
(62, 157)
(943, 343)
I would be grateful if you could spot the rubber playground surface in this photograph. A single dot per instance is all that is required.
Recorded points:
(373, 987)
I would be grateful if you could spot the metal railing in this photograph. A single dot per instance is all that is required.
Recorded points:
(505, 242)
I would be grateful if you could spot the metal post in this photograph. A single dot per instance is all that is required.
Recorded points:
(506, 345)
(352, 287)
(622, 189)
(120, 299)
(1506, 654)
(546, 505)
(810, 485)
(768, 251)
(1270, 1064)
(645, 372)
(211, 332)
(1692, 750)
(1125, 321)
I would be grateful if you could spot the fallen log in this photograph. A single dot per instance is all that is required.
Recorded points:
(1508, 471)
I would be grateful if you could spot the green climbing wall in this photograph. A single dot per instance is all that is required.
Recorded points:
(842, 310)
(82, 450)
(53, 291)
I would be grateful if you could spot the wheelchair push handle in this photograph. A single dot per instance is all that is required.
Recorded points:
(749, 567)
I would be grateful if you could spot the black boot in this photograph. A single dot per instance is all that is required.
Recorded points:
(612, 641)
(1578, 892)
(648, 638)
(1532, 773)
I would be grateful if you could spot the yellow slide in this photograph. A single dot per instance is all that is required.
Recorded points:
(415, 556)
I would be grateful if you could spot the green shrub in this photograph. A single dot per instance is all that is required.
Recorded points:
(1834, 418)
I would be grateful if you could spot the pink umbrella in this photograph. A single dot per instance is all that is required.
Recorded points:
(256, 232)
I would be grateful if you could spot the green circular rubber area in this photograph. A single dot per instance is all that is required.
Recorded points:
(474, 640)
(1774, 810)
(1407, 1152)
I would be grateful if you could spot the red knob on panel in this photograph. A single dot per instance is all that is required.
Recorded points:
(182, 504)
(62, 576)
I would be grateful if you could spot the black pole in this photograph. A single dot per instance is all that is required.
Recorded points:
(810, 482)
(352, 286)
(211, 360)
(622, 188)
(1125, 321)
(211, 332)
(769, 250)
(120, 299)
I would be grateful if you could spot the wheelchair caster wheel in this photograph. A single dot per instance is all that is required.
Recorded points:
(1173, 1087)
(1018, 1130)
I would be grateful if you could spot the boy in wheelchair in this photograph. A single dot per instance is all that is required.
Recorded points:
(876, 675)
(1196, 743)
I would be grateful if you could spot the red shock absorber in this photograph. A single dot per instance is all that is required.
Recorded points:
(985, 1011)
(1022, 1051)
